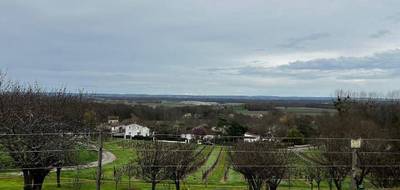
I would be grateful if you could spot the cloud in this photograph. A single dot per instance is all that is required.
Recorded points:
(300, 42)
(384, 65)
(384, 60)
(379, 34)
(395, 18)
(160, 47)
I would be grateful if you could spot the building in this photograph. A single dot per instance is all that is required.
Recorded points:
(134, 130)
(187, 115)
(118, 131)
(249, 137)
(113, 119)
(130, 131)
(188, 137)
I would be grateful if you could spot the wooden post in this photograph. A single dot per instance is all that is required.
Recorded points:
(355, 145)
(99, 161)
(353, 169)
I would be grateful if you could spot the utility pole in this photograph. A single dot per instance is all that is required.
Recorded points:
(99, 161)
(355, 145)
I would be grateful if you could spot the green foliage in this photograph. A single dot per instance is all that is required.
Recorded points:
(89, 119)
(236, 129)
(295, 136)
(5, 159)
(231, 128)
(87, 156)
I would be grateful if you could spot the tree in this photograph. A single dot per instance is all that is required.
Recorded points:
(152, 158)
(295, 136)
(130, 169)
(33, 122)
(199, 131)
(231, 128)
(336, 159)
(236, 129)
(388, 175)
(313, 170)
(260, 162)
(117, 174)
(315, 174)
(372, 117)
(183, 160)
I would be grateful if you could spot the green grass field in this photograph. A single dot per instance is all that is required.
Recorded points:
(306, 110)
(292, 110)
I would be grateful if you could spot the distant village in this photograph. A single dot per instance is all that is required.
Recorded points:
(133, 130)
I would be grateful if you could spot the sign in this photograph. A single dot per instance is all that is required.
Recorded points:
(356, 143)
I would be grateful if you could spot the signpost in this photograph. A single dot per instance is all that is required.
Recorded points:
(355, 146)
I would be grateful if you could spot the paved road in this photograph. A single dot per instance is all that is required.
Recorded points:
(108, 157)
(299, 149)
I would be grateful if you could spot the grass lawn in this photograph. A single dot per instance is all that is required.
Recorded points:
(197, 176)
(86, 156)
(217, 174)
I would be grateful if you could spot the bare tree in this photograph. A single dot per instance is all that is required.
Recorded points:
(260, 162)
(314, 173)
(387, 172)
(152, 158)
(183, 160)
(337, 159)
(33, 122)
(117, 174)
(129, 170)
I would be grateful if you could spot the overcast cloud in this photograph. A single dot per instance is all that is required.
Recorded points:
(226, 47)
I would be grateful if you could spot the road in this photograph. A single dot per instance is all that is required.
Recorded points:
(299, 149)
(108, 157)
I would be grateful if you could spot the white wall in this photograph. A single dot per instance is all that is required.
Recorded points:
(136, 130)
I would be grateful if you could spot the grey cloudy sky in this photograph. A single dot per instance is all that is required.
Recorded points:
(207, 47)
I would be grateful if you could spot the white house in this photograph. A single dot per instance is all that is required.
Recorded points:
(133, 130)
(187, 137)
(113, 120)
(118, 131)
(248, 137)
(129, 131)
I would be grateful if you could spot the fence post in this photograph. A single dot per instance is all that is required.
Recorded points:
(355, 145)
(99, 161)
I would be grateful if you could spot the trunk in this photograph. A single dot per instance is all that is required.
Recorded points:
(330, 184)
(129, 182)
(177, 185)
(38, 178)
(255, 185)
(153, 185)
(272, 186)
(177, 181)
(338, 184)
(318, 185)
(33, 179)
(360, 179)
(312, 185)
(27, 180)
(58, 177)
